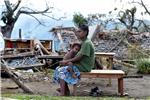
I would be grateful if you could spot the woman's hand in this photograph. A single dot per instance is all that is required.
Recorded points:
(63, 62)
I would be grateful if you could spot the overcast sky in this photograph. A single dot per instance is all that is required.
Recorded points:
(85, 7)
(68, 7)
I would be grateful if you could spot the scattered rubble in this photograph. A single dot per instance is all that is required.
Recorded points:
(114, 41)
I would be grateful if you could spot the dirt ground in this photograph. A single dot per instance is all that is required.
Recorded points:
(134, 87)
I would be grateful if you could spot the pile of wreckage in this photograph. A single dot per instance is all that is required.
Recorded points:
(21, 54)
(24, 54)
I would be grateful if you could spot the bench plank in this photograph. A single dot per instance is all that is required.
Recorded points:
(107, 71)
(103, 74)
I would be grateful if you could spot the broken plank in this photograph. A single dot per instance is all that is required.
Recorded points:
(29, 66)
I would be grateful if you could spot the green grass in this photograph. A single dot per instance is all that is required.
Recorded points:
(41, 97)
(143, 65)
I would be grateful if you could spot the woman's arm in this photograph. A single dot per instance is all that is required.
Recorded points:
(75, 59)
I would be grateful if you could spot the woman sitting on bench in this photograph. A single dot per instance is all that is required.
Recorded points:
(83, 61)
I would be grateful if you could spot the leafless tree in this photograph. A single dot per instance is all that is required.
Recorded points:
(127, 17)
(140, 2)
(143, 5)
(13, 11)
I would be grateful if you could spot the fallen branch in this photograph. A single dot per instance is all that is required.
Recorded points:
(126, 42)
(124, 64)
(15, 78)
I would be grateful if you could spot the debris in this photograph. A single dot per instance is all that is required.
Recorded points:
(16, 78)
(95, 92)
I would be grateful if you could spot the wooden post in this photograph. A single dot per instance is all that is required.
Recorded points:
(120, 86)
(20, 34)
(110, 58)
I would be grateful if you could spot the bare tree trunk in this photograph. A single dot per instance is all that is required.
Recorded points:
(6, 30)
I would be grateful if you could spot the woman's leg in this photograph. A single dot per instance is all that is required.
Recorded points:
(64, 89)
(74, 89)
(67, 90)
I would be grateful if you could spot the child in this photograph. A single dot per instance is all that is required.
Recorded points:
(69, 68)
(71, 54)
(75, 47)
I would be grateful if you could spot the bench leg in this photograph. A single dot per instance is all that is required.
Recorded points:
(109, 82)
(120, 86)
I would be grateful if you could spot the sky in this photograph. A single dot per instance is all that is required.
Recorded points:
(67, 8)
(85, 7)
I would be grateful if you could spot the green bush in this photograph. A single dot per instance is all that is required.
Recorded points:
(143, 65)
(79, 19)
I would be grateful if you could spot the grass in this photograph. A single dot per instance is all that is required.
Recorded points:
(41, 97)
(143, 65)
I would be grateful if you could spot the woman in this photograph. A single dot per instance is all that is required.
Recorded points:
(83, 61)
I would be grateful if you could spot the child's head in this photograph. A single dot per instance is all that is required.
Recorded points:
(75, 47)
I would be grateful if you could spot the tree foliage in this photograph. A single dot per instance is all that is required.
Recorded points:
(100, 19)
(95, 18)
(79, 19)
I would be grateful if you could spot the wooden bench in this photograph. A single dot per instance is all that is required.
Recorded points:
(118, 74)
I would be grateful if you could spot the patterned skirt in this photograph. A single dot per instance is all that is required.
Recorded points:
(63, 73)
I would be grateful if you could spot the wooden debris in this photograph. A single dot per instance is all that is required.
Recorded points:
(29, 66)
(124, 64)
(15, 78)
(16, 56)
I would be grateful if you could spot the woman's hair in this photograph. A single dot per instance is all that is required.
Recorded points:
(75, 44)
(84, 28)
